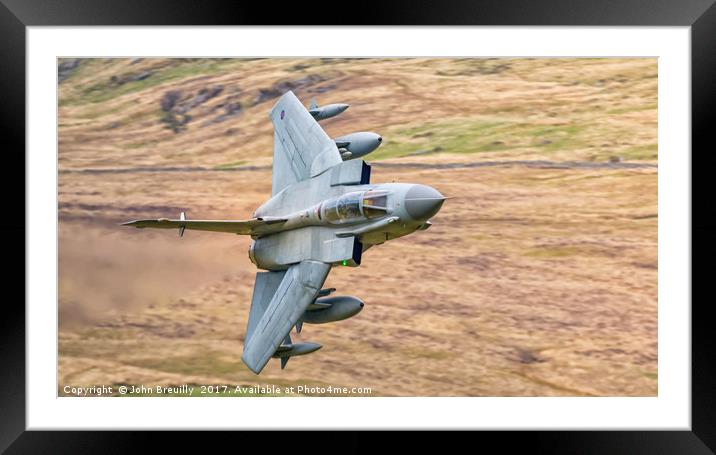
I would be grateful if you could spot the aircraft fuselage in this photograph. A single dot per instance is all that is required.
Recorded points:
(369, 214)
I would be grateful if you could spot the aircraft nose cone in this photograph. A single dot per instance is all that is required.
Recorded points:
(423, 202)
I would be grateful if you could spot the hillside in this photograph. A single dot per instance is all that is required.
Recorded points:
(539, 278)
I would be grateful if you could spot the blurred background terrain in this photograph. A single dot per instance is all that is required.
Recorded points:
(538, 279)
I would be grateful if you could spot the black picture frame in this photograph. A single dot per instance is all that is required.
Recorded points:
(16, 15)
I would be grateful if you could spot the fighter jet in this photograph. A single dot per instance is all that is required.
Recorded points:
(323, 212)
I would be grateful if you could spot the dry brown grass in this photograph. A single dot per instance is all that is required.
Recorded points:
(532, 281)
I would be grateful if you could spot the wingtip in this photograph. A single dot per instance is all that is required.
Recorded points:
(250, 367)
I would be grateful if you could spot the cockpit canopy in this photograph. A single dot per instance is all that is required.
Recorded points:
(355, 206)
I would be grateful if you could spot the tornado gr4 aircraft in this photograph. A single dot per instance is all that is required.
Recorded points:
(324, 212)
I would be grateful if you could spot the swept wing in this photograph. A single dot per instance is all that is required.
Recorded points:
(280, 298)
(301, 148)
(254, 226)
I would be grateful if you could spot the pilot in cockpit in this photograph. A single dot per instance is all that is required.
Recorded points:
(355, 206)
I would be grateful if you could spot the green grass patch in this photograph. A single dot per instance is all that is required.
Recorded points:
(207, 363)
(477, 135)
(175, 70)
(476, 67)
(96, 111)
(232, 165)
(635, 153)
(140, 144)
(554, 252)
(643, 152)
(624, 110)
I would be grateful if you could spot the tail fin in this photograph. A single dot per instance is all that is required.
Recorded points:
(314, 104)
